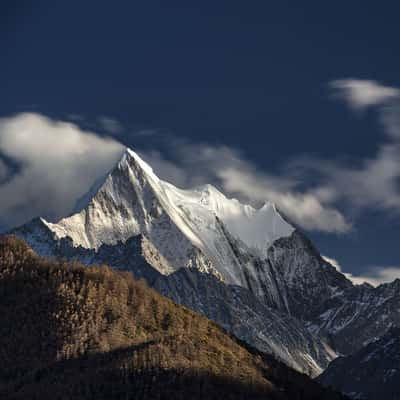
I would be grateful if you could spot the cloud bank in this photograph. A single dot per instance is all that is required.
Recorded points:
(57, 164)
(374, 182)
(59, 161)
(375, 276)
(371, 183)
(194, 164)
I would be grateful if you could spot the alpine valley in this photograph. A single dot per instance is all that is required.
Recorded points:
(249, 270)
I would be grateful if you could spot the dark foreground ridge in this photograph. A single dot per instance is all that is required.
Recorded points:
(74, 332)
(372, 373)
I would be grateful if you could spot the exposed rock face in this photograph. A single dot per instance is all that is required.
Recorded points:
(136, 221)
(235, 308)
(248, 317)
(372, 373)
(247, 269)
(72, 332)
(359, 315)
(305, 277)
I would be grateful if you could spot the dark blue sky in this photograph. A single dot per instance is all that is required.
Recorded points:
(250, 75)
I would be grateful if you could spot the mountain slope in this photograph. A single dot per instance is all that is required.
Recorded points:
(199, 229)
(134, 215)
(371, 373)
(272, 271)
(247, 317)
(235, 308)
(359, 315)
(202, 229)
(69, 331)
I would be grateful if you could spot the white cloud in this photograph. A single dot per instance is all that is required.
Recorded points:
(303, 208)
(58, 161)
(378, 275)
(333, 262)
(372, 182)
(367, 183)
(372, 275)
(195, 163)
(360, 94)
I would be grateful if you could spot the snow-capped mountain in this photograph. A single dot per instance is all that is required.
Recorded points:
(133, 200)
(199, 228)
(248, 269)
(371, 373)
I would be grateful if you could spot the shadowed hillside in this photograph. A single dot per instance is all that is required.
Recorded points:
(371, 373)
(74, 332)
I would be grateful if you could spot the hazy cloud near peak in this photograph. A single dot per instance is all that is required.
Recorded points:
(373, 275)
(57, 154)
(193, 164)
(110, 125)
(374, 182)
(58, 163)
(304, 208)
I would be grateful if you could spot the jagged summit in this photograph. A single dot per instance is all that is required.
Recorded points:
(133, 200)
(131, 158)
(257, 228)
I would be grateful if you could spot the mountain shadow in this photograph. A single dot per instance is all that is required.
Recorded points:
(74, 332)
(372, 373)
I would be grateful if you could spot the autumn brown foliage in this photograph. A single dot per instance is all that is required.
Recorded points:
(73, 332)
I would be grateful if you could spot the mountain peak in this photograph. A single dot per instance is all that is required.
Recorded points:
(132, 200)
(131, 159)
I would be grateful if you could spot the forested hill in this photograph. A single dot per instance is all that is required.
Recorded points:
(73, 332)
